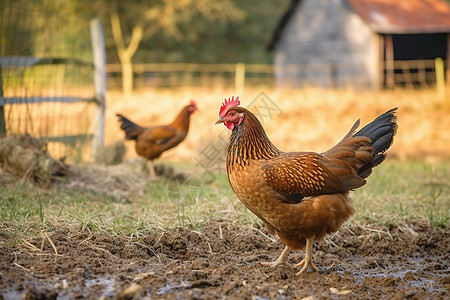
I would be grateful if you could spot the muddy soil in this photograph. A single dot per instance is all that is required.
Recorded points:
(222, 261)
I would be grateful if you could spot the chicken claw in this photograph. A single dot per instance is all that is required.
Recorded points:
(307, 261)
(281, 260)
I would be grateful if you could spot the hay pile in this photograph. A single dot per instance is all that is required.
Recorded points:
(26, 158)
(119, 181)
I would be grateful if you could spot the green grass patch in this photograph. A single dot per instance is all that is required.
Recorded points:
(396, 192)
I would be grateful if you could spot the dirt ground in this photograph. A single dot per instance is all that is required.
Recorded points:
(221, 261)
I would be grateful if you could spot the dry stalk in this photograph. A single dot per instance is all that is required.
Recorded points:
(367, 239)
(22, 267)
(30, 246)
(52, 244)
(202, 234)
(16, 264)
(264, 235)
(159, 239)
(98, 248)
(149, 248)
(141, 276)
(348, 229)
(329, 241)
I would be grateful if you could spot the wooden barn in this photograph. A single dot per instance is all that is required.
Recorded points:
(362, 43)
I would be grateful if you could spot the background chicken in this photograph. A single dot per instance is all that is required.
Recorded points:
(300, 196)
(152, 141)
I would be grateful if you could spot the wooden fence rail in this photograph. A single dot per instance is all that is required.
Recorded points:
(189, 74)
(407, 73)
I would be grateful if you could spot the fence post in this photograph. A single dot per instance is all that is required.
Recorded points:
(440, 77)
(239, 79)
(2, 112)
(390, 68)
(98, 47)
(447, 58)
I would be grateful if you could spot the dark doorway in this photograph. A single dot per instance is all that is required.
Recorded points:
(419, 46)
(410, 58)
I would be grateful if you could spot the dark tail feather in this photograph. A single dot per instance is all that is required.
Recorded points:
(381, 131)
(131, 130)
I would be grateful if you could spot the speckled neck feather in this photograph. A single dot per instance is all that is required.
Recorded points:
(249, 141)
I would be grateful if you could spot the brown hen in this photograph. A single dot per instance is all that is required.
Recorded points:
(300, 196)
(152, 141)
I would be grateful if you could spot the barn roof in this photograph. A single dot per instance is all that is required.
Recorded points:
(404, 16)
(388, 16)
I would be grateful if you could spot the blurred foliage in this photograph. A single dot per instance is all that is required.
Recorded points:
(45, 28)
(213, 32)
(213, 41)
(131, 24)
(203, 31)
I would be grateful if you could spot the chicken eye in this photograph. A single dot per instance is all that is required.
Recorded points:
(233, 114)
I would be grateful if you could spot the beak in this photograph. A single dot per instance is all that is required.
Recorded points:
(219, 121)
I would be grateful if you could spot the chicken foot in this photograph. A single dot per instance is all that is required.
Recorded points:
(281, 260)
(307, 261)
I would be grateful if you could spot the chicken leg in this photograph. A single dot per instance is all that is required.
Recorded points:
(281, 260)
(307, 261)
(151, 169)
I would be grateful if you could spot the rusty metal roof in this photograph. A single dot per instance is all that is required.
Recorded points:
(388, 16)
(404, 16)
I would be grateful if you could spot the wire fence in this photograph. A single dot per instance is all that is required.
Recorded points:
(412, 73)
(407, 73)
(46, 75)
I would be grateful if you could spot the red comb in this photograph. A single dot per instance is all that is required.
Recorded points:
(231, 102)
(194, 104)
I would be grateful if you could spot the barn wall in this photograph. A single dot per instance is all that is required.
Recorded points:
(336, 45)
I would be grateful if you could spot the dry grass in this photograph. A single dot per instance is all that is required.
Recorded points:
(311, 119)
(52, 119)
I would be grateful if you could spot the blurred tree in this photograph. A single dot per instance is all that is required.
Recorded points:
(44, 28)
(208, 41)
(133, 21)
